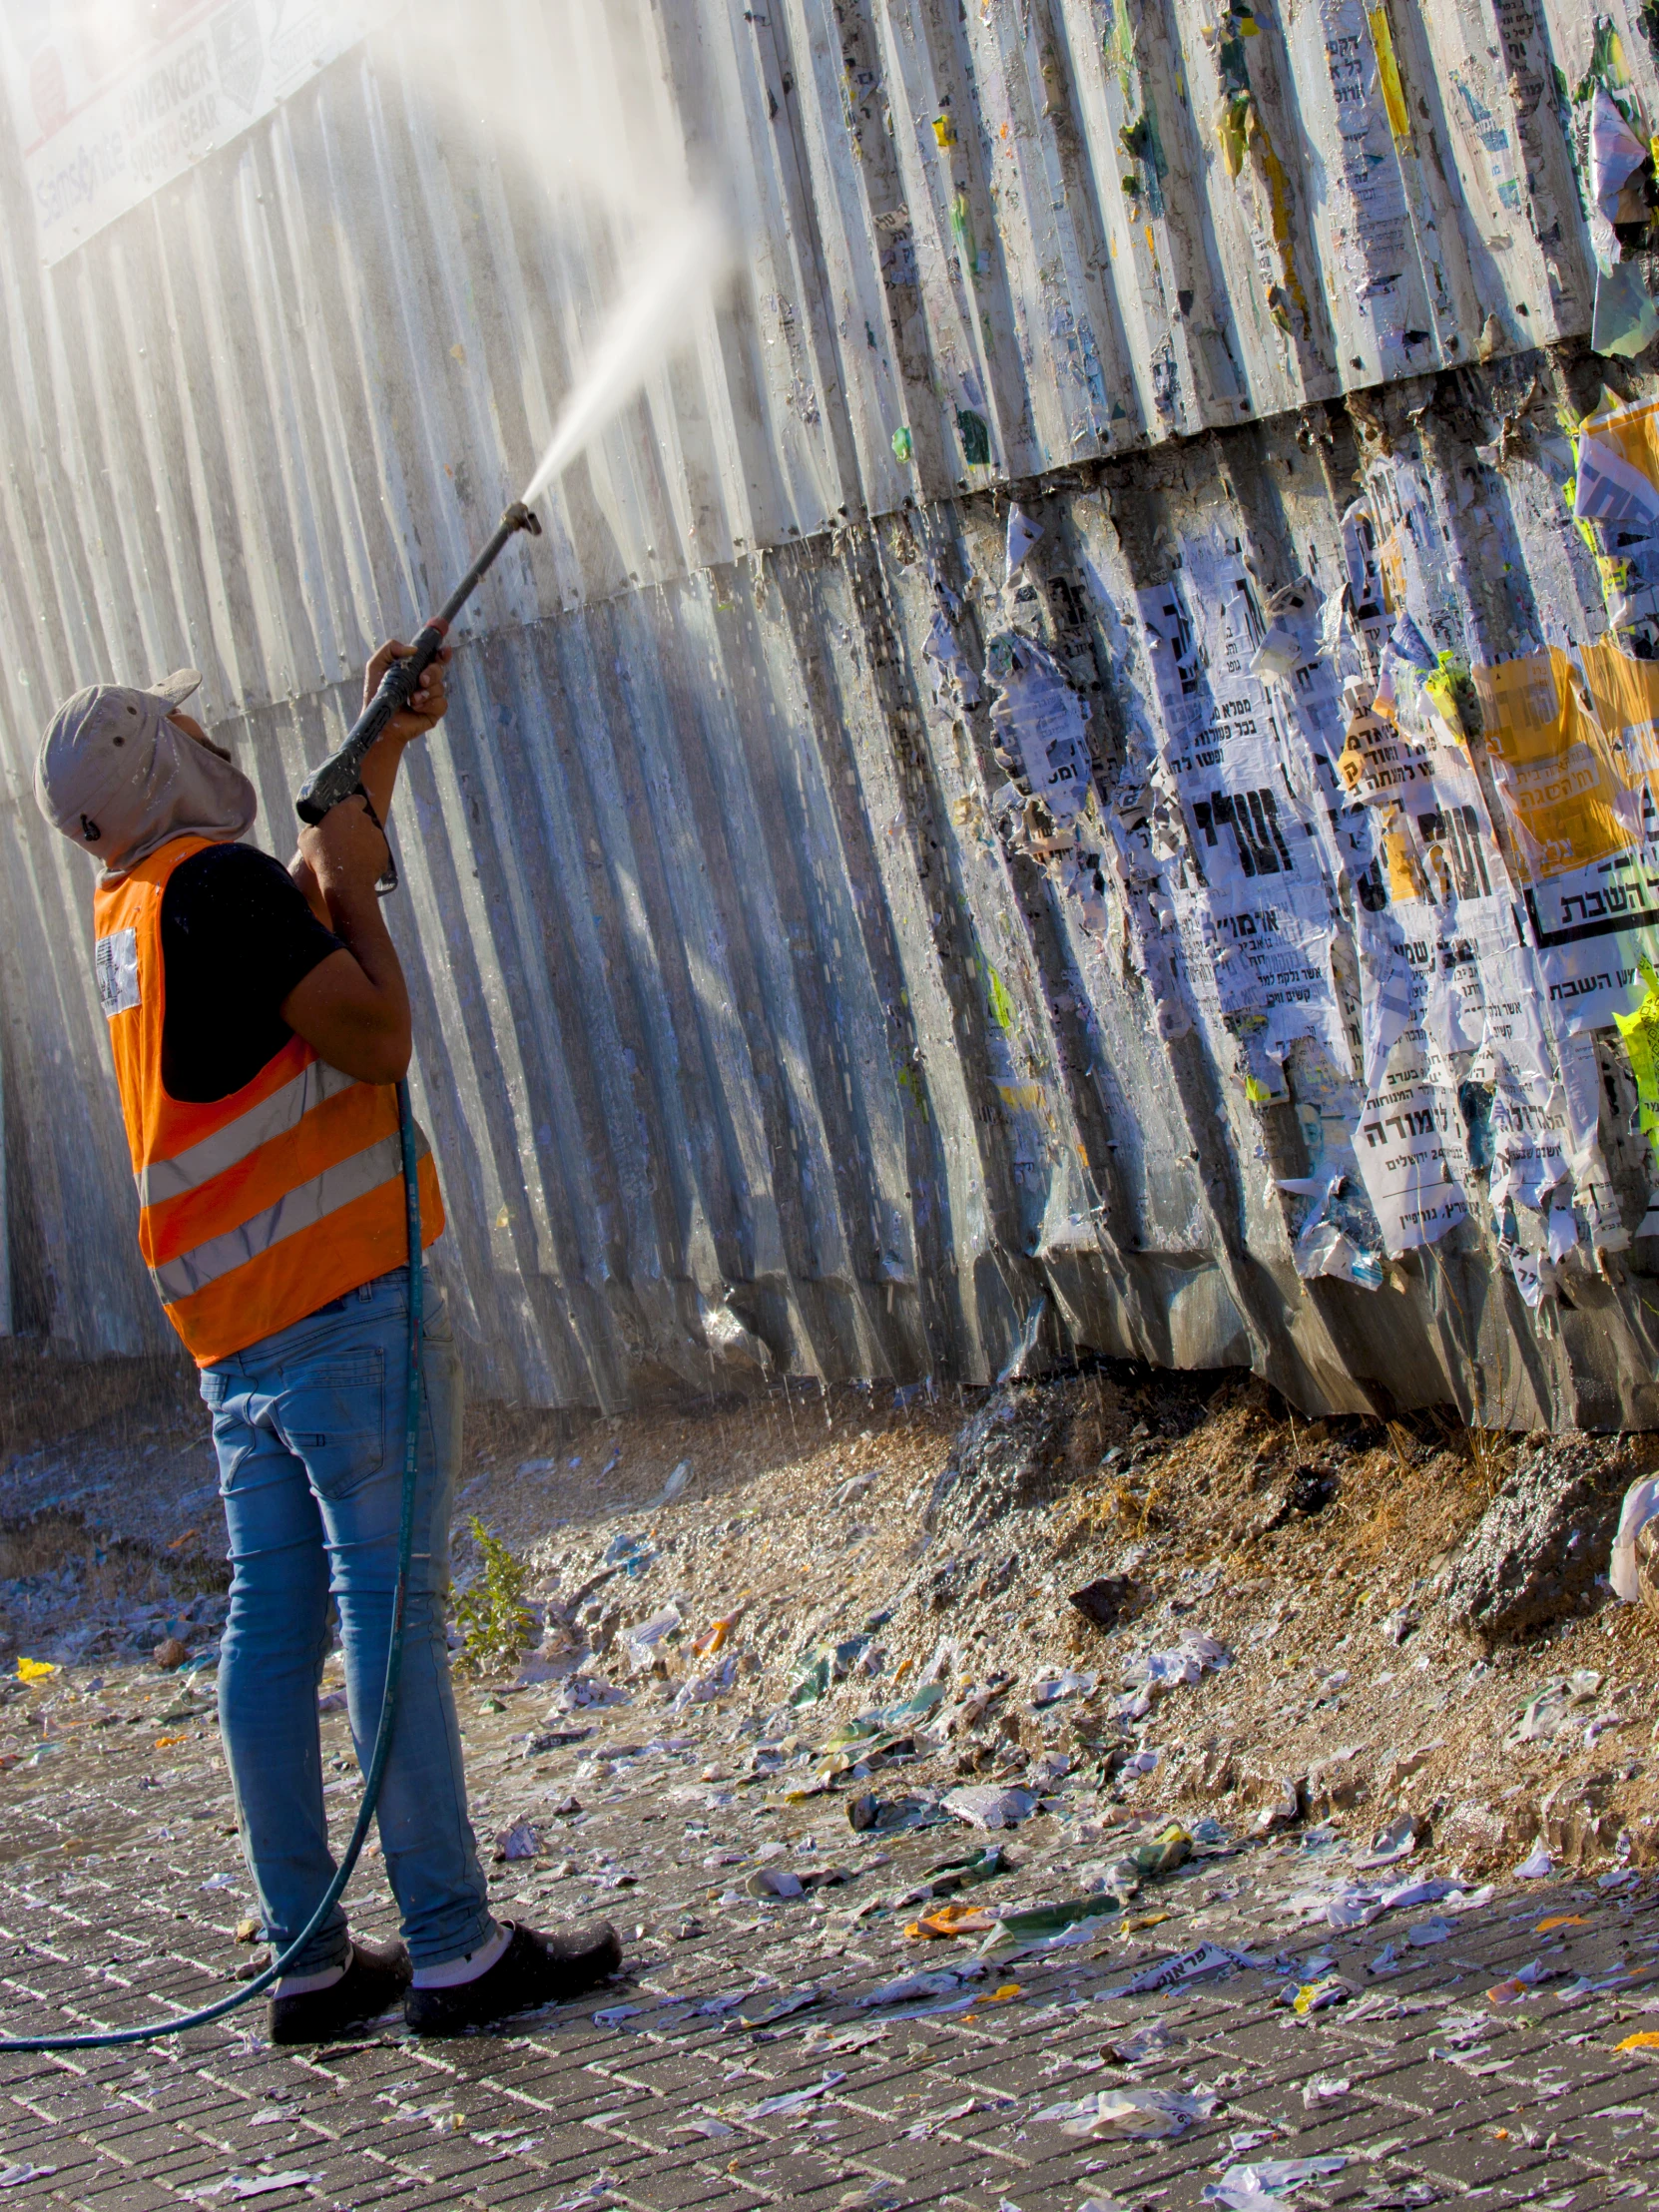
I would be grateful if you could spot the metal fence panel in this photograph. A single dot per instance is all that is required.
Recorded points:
(760, 1026)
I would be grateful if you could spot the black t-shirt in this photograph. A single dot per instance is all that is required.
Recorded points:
(236, 936)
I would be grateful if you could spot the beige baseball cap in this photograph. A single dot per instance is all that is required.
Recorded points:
(120, 779)
(178, 686)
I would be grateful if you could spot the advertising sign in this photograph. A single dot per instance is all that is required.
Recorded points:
(112, 99)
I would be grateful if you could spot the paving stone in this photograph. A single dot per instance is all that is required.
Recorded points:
(136, 2126)
(121, 2193)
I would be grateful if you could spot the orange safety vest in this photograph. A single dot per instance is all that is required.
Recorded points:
(257, 1209)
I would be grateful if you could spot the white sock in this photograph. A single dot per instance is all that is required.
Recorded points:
(301, 1985)
(455, 1971)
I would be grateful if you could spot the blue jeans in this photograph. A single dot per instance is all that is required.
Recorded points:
(309, 1428)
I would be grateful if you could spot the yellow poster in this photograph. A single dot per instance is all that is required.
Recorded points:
(1569, 805)
(1625, 693)
(1575, 760)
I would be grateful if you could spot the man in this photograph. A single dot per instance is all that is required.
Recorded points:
(259, 1020)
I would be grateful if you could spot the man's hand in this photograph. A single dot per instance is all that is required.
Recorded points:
(380, 771)
(429, 704)
(346, 852)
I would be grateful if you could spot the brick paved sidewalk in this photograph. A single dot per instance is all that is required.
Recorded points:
(122, 1889)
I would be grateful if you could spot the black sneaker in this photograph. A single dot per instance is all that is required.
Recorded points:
(533, 1969)
(374, 1980)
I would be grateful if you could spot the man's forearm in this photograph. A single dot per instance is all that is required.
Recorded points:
(380, 773)
(379, 779)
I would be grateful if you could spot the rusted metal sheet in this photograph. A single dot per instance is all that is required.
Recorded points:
(838, 953)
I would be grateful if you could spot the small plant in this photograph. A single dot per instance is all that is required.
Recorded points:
(1487, 1450)
(491, 1613)
(1402, 1445)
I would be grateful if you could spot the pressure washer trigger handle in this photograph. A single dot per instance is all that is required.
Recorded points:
(338, 777)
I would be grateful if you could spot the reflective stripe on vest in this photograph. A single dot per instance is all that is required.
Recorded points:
(283, 1110)
(257, 1209)
(295, 1210)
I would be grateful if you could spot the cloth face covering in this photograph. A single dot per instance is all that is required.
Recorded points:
(121, 779)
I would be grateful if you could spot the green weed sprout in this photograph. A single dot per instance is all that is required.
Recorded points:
(494, 1622)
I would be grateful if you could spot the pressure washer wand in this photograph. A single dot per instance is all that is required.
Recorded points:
(341, 774)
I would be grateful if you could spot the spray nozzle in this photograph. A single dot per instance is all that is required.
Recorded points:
(520, 517)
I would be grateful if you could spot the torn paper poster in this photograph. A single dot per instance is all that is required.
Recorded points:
(1406, 657)
(1150, 945)
(1480, 988)
(1202, 1965)
(1580, 1099)
(1041, 721)
(1623, 697)
(1414, 686)
(1331, 1219)
(1328, 1098)
(1410, 1155)
(1377, 763)
(239, 2188)
(1258, 971)
(1420, 562)
(1324, 1249)
(1238, 758)
(1366, 611)
(1596, 1201)
(1616, 504)
(952, 666)
(1335, 625)
(1406, 822)
(1454, 851)
(1491, 164)
(1293, 636)
(1550, 763)
(1624, 320)
(1080, 874)
(1393, 994)
(1340, 1236)
(1452, 1013)
(1533, 1270)
(1588, 870)
(1618, 159)
(1512, 999)
(1023, 534)
(1367, 770)
(1529, 1147)
(1272, 968)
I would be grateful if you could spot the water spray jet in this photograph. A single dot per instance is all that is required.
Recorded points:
(640, 332)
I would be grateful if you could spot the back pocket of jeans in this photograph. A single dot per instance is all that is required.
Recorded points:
(334, 1417)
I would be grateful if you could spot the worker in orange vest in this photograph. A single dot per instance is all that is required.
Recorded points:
(260, 1023)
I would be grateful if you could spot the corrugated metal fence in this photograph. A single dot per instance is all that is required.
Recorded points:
(781, 1003)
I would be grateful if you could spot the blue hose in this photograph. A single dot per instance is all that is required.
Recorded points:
(388, 1696)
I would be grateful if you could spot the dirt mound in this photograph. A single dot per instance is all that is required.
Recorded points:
(1538, 1549)
(1166, 1595)
(1029, 1443)
(1011, 1455)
